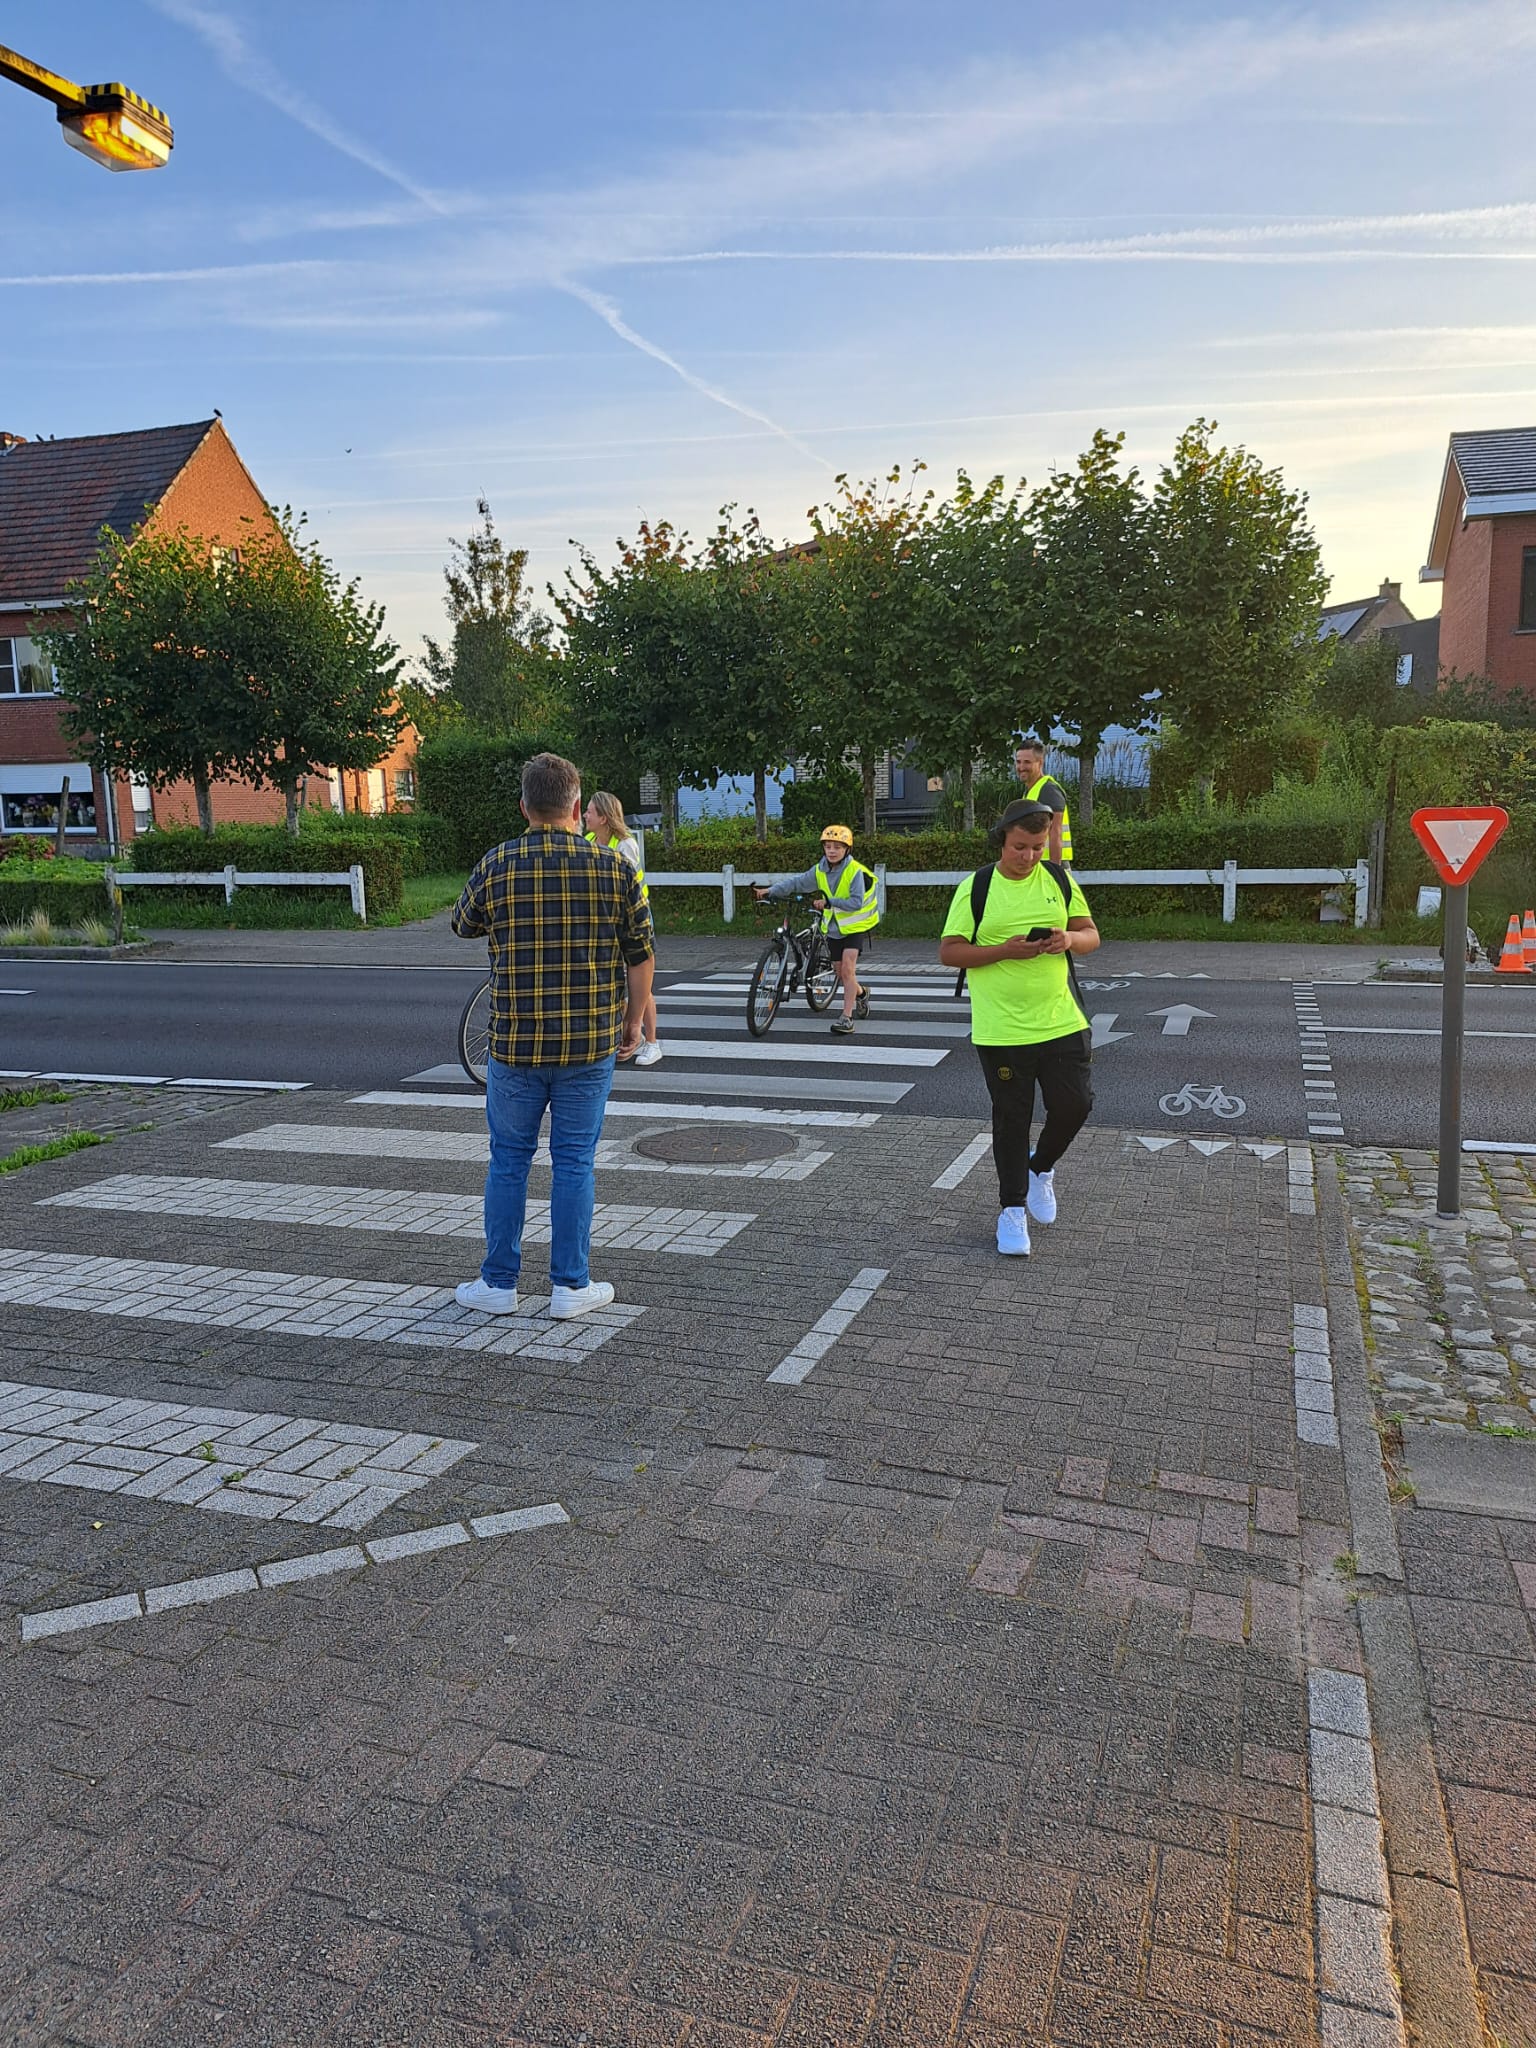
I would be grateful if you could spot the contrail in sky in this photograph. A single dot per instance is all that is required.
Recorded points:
(609, 313)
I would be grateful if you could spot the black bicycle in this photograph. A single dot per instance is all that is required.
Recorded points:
(475, 1034)
(791, 960)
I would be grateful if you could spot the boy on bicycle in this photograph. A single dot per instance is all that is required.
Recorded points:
(845, 895)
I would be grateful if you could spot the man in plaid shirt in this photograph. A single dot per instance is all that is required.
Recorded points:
(571, 964)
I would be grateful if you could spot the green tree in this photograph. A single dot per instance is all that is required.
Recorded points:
(1088, 651)
(858, 624)
(1481, 699)
(313, 659)
(498, 672)
(1238, 584)
(975, 563)
(738, 612)
(149, 686)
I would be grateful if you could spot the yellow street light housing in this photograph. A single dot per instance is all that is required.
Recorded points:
(118, 130)
(107, 123)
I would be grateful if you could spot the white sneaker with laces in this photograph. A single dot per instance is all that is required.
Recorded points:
(649, 1053)
(1041, 1196)
(566, 1303)
(492, 1301)
(1013, 1234)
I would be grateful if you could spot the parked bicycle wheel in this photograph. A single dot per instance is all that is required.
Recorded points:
(475, 1033)
(767, 989)
(820, 973)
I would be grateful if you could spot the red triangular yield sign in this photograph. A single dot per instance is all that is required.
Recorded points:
(1459, 837)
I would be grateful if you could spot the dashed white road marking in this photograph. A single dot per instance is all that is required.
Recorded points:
(620, 1226)
(295, 1305)
(798, 1364)
(962, 1163)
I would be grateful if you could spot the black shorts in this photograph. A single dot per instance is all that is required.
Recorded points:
(839, 943)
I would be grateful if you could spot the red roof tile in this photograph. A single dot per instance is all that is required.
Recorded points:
(56, 496)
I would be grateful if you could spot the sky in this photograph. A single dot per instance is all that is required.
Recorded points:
(601, 263)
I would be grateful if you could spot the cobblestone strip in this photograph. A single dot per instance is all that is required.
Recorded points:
(294, 1304)
(147, 1601)
(472, 1148)
(1316, 1066)
(1360, 2003)
(825, 1331)
(285, 1468)
(623, 1226)
(1316, 1417)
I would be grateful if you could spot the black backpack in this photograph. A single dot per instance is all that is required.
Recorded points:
(981, 883)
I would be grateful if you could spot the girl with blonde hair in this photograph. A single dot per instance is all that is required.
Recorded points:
(607, 827)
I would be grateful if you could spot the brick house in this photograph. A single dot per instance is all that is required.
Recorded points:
(56, 496)
(1483, 554)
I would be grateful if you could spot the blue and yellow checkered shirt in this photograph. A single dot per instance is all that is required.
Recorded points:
(563, 919)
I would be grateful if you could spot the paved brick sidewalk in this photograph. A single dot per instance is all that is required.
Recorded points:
(979, 1686)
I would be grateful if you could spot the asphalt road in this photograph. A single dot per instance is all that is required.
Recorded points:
(369, 1028)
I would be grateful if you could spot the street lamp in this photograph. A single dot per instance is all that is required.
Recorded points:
(107, 123)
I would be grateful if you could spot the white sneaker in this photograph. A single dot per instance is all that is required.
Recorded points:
(649, 1053)
(1041, 1196)
(492, 1301)
(566, 1303)
(1013, 1234)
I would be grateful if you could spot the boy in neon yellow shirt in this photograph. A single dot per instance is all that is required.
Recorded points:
(1026, 1023)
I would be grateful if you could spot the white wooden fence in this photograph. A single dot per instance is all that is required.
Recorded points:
(230, 879)
(1228, 878)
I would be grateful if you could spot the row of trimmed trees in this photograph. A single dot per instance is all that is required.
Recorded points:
(948, 625)
(189, 662)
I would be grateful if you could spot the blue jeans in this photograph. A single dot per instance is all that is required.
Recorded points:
(515, 1101)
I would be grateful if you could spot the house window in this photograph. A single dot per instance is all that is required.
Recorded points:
(405, 785)
(1528, 591)
(24, 809)
(23, 671)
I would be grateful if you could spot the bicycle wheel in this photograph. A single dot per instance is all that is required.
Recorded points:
(820, 973)
(475, 1033)
(766, 989)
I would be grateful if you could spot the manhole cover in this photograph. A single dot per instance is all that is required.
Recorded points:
(715, 1145)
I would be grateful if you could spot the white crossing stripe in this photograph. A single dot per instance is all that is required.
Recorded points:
(802, 1024)
(792, 1088)
(798, 1364)
(620, 1226)
(844, 1054)
(286, 1468)
(682, 1112)
(961, 1165)
(295, 1304)
(284, 1571)
(357, 1141)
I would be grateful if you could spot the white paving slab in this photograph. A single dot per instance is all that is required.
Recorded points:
(275, 1468)
(698, 1112)
(473, 1147)
(621, 1226)
(294, 1305)
(797, 1365)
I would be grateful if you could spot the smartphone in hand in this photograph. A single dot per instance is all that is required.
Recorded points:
(1039, 931)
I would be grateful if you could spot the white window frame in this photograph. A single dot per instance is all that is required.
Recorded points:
(45, 779)
(12, 664)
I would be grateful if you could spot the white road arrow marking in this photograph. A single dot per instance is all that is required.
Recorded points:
(1177, 1018)
(1104, 1032)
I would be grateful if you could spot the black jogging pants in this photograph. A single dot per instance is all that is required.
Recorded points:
(1061, 1068)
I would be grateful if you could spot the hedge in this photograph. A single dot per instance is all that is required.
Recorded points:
(466, 792)
(269, 849)
(401, 829)
(66, 902)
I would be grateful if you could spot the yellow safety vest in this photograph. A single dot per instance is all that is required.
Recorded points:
(835, 888)
(1066, 818)
(613, 847)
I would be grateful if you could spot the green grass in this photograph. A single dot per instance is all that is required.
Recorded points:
(424, 896)
(29, 1098)
(55, 1148)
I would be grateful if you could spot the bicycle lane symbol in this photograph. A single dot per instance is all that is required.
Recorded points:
(1215, 1099)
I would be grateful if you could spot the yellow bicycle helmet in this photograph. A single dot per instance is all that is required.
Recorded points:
(839, 833)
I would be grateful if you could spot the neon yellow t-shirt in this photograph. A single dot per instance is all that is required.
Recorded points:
(1019, 1002)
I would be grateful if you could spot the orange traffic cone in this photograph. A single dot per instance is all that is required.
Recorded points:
(1512, 959)
(1528, 939)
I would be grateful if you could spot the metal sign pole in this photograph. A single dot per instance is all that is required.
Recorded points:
(1453, 1017)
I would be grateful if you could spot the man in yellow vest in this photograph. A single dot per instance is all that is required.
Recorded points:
(1040, 788)
(847, 896)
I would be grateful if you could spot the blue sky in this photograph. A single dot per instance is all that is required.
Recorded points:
(603, 263)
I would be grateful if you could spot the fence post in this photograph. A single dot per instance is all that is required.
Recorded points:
(728, 893)
(359, 892)
(229, 884)
(1362, 893)
(1378, 869)
(1229, 892)
(880, 887)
